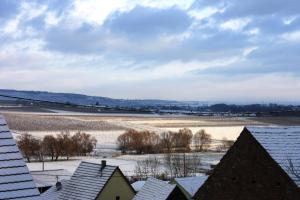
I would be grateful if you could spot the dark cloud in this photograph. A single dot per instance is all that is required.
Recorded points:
(142, 22)
(137, 35)
(84, 40)
(238, 8)
(269, 58)
(244, 8)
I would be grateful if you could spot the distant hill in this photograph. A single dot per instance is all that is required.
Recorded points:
(80, 99)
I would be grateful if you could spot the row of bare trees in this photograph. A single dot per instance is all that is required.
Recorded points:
(149, 142)
(169, 166)
(52, 147)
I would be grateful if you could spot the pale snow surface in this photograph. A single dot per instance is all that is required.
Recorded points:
(191, 184)
(154, 189)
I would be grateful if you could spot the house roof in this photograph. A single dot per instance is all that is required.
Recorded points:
(52, 193)
(137, 186)
(48, 178)
(191, 184)
(154, 189)
(283, 145)
(87, 181)
(15, 181)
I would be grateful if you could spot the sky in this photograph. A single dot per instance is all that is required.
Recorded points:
(206, 50)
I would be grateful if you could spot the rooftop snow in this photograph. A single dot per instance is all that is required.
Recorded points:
(52, 193)
(87, 181)
(137, 186)
(191, 184)
(283, 145)
(154, 189)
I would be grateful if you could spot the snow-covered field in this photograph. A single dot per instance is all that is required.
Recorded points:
(126, 163)
(127, 166)
(106, 137)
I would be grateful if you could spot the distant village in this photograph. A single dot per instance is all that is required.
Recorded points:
(263, 163)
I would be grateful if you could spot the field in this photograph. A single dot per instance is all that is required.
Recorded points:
(107, 127)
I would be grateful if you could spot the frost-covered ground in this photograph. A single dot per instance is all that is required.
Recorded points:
(127, 166)
(126, 163)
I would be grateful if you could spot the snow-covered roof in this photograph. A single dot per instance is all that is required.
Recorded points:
(48, 178)
(52, 193)
(154, 189)
(283, 145)
(137, 186)
(191, 184)
(15, 181)
(87, 181)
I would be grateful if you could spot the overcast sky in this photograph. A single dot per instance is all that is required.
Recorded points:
(220, 50)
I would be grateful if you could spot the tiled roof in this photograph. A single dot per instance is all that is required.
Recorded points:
(53, 193)
(137, 186)
(191, 184)
(48, 178)
(283, 145)
(87, 181)
(15, 179)
(155, 189)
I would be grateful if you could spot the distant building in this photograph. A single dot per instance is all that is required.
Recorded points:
(264, 163)
(15, 179)
(189, 185)
(155, 189)
(93, 181)
(45, 179)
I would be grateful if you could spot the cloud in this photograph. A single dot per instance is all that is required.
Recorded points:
(143, 22)
(121, 46)
(236, 8)
(8, 8)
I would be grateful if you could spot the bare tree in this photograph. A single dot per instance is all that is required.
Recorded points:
(123, 142)
(182, 139)
(48, 145)
(182, 164)
(202, 140)
(225, 144)
(65, 143)
(29, 145)
(148, 168)
(166, 141)
(295, 170)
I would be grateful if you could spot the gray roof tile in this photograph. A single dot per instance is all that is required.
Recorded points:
(283, 145)
(15, 181)
(154, 189)
(87, 181)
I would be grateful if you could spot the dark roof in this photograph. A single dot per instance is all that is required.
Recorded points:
(87, 181)
(15, 181)
(53, 193)
(283, 145)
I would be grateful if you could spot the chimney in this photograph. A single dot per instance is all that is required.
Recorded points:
(58, 186)
(103, 165)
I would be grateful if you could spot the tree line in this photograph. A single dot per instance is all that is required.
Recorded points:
(52, 147)
(141, 142)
